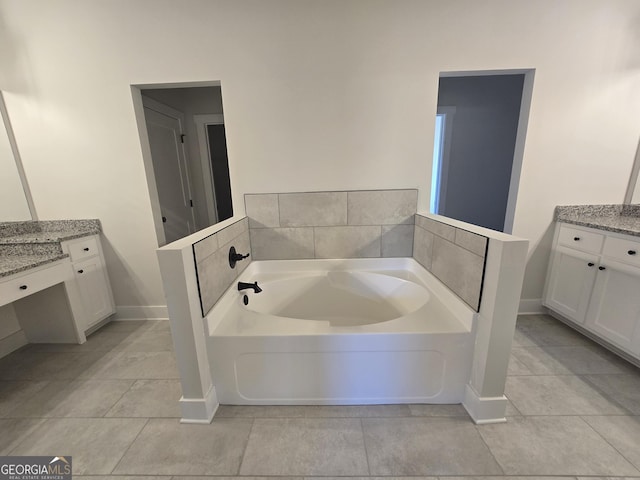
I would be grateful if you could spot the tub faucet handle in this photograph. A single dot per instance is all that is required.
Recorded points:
(235, 257)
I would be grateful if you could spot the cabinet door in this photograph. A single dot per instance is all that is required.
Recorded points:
(94, 289)
(571, 280)
(614, 311)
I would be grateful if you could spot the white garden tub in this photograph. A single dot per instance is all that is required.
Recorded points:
(361, 331)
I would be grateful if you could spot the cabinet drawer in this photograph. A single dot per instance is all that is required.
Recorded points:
(580, 239)
(83, 248)
(627, 251)
(26, 284)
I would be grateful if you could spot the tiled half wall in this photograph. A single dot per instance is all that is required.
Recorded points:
(352, 224)
(211, 255)
(454, 255)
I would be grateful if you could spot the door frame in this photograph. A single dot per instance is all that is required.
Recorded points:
(202, 121)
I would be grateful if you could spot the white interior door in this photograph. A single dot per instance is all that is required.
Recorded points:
(164, 128)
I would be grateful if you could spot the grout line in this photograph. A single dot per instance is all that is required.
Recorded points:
(104, 415)
(129, 446)
(489, 448)
(364, 444)
(246, 445)
(610, 444)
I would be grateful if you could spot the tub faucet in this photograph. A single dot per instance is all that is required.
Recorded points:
(244, 286)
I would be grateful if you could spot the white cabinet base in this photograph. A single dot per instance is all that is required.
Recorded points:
(593, 283)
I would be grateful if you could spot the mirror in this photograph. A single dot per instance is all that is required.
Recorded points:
(633, 190)
(15, 204)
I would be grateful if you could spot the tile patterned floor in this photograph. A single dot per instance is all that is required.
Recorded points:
(574, 412)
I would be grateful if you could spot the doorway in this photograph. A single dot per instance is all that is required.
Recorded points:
(186, 193)
(478, 146)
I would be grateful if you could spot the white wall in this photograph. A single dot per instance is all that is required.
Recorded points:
(324, 95)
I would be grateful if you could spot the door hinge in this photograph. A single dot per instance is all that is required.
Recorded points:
(182, 135)
(191, 203)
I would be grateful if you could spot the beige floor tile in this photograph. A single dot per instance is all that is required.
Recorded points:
(15, 393)
(625, 389)
(14, 430)
(96, 444)
(139, 365)
(261, 411)
(149, 398)
(553, 446)
(79, 398)
(305, 446)
(559, 395)
(576, 360)
(167, 447)
(621, 432)
(427, 446)
(424, 410)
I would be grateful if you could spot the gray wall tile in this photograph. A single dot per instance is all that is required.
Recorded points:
(459, 269)
(441, 229)
(313, 209)
(228, 234)
(473, 242)
(215, 275)
(205, 247)
(382, 207)
(262, 210)
(347, 242)
(397, 240)
(423, 246)
(281, 243)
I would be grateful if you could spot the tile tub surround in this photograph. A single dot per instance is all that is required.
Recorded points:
(211, 256)
(346, 224)
(455, 256)
(613, 218)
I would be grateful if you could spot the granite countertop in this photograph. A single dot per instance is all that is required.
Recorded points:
(25, 245)
(11, 264)
(612, 218)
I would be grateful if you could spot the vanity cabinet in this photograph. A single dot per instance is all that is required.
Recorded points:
(594, 281)
(89, 267)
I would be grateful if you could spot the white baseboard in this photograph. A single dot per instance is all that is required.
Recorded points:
(484, 410)
(530, 306)
(12, 342)
(199, 410)
(141, 312)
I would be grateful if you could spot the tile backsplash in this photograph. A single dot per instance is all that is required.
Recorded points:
(211, 256)
(455, 256)
(351, 224)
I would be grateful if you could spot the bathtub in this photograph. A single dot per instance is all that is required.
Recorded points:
(340, 332)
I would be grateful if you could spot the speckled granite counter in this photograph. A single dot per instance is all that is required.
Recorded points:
(612, 218)
(25, 245)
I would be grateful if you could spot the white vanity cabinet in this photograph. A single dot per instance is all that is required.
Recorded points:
(89, 267)
(594, 281)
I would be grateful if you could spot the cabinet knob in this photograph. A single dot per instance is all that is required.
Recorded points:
(590, 264)
(631, 252)
(86, 249)
(602, 268)
(80, 271)
(577, 239)
(23, 287)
